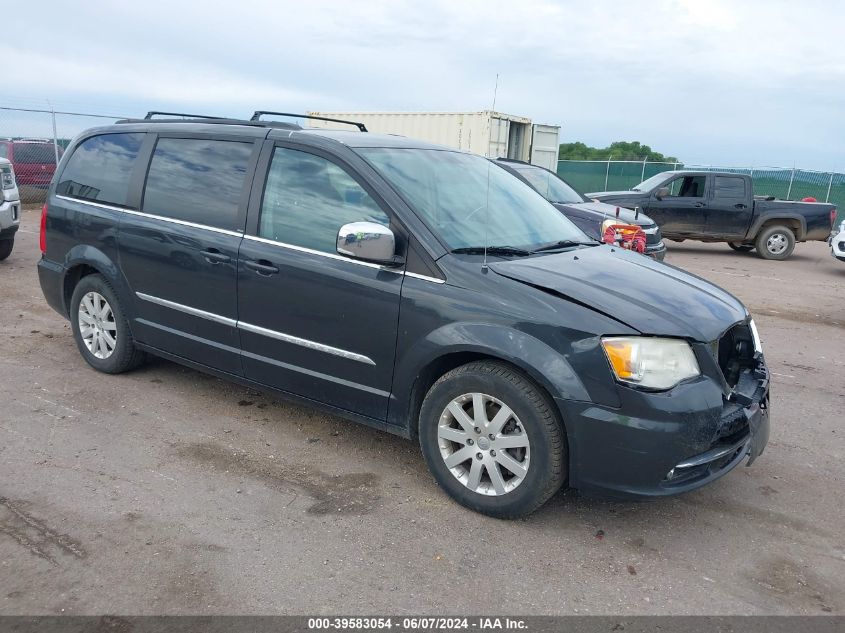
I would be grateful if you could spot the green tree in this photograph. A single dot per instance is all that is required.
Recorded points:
(618, 150)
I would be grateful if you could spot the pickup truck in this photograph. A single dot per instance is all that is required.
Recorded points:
(712, 206)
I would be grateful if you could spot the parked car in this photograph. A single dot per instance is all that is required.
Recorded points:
(410, 287)
(34, 161)
(590, 216)
(10, 208)
(837, 242)
(711, 206)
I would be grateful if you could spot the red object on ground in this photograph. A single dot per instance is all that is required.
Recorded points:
(627, 236)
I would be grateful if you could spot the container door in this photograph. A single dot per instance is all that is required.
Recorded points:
(499, 129)
(545, 146)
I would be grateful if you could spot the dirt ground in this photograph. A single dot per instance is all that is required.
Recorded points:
(167, 491)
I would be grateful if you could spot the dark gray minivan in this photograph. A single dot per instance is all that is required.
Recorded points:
(411, 287)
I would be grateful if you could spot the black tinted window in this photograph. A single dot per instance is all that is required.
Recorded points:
(4, 151)
(35, 153)
(307, 199)
(100, 167)
(197, 180)
(730, 187)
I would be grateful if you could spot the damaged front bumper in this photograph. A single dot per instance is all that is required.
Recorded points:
(659, 444)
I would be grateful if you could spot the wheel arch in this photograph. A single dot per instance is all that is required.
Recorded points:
(793, 221)
(544, 366)
(84, 260)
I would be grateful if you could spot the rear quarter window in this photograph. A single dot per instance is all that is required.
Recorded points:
(100, 167)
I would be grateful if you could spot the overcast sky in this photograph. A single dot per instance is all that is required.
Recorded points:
(756, 82)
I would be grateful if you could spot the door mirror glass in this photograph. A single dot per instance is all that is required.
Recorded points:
(368, 241)
(661, 193)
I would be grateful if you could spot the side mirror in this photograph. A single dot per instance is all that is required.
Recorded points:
(661, 193)
(368, 241)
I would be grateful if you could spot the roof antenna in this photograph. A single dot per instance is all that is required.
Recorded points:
(487, 201)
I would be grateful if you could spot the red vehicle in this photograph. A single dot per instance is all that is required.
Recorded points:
(34, 162)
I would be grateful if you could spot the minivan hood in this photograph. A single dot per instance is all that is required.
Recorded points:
(649, 296)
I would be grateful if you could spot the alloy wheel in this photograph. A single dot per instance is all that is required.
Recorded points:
(483, 444)
(97, 326)
(777, 243)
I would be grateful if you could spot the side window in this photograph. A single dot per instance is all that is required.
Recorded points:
(729, 187)
(4, 151)
(308, 198)
(100, 167)
(197, 180)
(686, 187)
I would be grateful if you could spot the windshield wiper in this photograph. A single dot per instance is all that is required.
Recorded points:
(492, 250)
(562, 244)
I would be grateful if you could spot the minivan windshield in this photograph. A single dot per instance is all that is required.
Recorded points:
(548, 184)
(470, 202)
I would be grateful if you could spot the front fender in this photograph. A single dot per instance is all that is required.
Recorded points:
(542, 363)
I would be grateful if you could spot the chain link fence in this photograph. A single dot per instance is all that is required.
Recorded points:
(34, 140)
(781, 182)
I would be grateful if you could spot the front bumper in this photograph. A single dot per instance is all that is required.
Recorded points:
(660, 444)
(657, 252)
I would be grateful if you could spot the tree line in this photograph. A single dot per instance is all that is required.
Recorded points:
(619, 150)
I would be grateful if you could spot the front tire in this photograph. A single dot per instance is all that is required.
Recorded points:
(100, 328)
(492, 440)
(775, 242)
(6, 248)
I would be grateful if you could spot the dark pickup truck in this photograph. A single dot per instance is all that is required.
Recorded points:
(712, 206)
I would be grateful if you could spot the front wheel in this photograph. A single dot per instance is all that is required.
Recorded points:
(740, 247)
(100, 328)
(775, 242)
(6, 248)
(493, 440)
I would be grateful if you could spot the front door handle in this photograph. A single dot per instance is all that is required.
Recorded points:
(261, 266)
(699, 204)
(213, 256)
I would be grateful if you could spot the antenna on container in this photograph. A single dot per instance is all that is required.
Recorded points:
(487, 201)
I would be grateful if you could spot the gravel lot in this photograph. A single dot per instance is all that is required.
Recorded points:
(168, 491)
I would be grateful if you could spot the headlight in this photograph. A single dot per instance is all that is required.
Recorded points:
(8, 178)
(654, 363)
(758, 347)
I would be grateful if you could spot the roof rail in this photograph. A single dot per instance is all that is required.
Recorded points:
(153, 113)
(256, 116)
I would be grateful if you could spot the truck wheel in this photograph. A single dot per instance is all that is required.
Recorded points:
(100, 328)
(775, 242)
(740, 247)
(6, 248)
(493, 440)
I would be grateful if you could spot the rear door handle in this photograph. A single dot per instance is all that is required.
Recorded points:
(213, 256)
(740, 206)
(261, 266)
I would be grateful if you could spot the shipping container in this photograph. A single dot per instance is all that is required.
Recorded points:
(491, 134)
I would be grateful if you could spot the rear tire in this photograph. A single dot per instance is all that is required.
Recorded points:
(775, 242)
(100, 328)
(740, 247)
(6, 248)
(505, 459)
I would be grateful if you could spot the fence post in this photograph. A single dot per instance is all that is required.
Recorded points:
(55, 136)
(607, 172)
(829, 185)
(642, 175)
(789, 190)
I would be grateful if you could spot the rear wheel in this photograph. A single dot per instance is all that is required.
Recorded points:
(740, 247)
(100, 328)
(492, 440)
(775, 242)
(6, 248)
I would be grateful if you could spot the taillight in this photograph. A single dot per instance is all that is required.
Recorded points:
(832, 218)
(42, 237)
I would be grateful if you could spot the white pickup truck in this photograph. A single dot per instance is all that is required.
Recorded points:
(10, 208)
